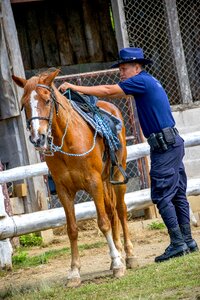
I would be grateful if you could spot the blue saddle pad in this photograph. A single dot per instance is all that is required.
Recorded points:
(101, 120)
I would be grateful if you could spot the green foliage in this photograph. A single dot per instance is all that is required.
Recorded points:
(112, 19)
(92, 246)
(23, 260)
(156, 225)
(29, 240)
(19, 258)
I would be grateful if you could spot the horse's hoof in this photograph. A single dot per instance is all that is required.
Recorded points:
(131, 262)
(112, 263)
(118, 273)
(73, 282)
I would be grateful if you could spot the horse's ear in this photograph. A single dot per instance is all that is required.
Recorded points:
(50, 78)
(19, 81)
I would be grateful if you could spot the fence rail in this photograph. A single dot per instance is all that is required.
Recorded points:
(133, 152)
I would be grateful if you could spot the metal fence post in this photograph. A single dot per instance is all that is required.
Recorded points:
(120, 23)
(5, 244)
(178, 51)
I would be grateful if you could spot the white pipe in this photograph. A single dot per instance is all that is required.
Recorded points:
(2, 206)
(140, 150)
(45, 219)
(23, 172)
(134, 152)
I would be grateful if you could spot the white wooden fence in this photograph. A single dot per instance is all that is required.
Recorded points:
(42, 220)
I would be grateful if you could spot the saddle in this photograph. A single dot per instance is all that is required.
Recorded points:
(107, 125)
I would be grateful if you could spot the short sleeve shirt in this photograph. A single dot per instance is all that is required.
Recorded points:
(152, 103)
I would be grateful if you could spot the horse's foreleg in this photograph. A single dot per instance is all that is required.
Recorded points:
(131, 261)
(96, 191)
(73, 278)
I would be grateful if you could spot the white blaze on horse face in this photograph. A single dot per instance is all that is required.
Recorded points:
(34, 111)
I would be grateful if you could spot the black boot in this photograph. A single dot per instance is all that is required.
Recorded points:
(177, 246)
(187, 235)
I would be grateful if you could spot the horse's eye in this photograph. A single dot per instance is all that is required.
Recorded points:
(47, 102)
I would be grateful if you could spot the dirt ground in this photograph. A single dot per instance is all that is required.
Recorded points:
(94, 262)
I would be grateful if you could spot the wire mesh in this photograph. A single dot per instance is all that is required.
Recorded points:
(189, 21)
(147, 28)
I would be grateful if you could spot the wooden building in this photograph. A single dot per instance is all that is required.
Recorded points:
(76, 36)
(64, 33)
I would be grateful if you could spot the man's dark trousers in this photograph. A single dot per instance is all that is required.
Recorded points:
(169, 183)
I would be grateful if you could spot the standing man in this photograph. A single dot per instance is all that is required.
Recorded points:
(167, 173)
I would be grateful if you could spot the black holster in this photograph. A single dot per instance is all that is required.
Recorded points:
(161, 140)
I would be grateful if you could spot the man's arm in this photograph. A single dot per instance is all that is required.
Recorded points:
(109, 91)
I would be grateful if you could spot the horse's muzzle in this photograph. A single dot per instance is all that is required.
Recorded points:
(39, 142)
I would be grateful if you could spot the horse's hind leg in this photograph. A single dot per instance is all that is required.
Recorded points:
(96, 191)
(73, 278)
(131, 261)
(110, 205)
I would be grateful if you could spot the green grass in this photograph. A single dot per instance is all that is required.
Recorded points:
(156, 225)
(176, 279)
(29, 240)
(21, 259)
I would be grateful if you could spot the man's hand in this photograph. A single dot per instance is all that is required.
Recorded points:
(65, 86)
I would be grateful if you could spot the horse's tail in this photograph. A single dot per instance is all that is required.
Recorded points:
(110, 199)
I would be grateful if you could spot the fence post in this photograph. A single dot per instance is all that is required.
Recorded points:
(26, 152)
(120, 23)
(178, 51)
(5, 245)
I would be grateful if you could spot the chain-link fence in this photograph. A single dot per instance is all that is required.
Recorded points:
(149, 27)
(189, 20)
(136, 170)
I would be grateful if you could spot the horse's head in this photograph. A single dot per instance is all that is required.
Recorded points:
(38, 102)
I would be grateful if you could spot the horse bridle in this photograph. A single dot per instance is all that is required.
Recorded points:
(53, 101)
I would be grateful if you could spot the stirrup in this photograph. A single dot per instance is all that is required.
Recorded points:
(114, 182)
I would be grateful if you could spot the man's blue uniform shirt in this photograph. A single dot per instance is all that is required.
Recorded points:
(152, 103)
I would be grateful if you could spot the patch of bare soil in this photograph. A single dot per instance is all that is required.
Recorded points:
(95, 263)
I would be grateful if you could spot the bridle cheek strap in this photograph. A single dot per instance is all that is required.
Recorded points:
(50, 118)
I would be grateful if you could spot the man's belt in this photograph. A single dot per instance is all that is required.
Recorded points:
(161, 140)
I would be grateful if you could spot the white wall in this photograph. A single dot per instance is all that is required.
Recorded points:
(189, 121)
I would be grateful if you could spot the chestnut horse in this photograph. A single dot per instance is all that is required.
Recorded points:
(76, 164)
